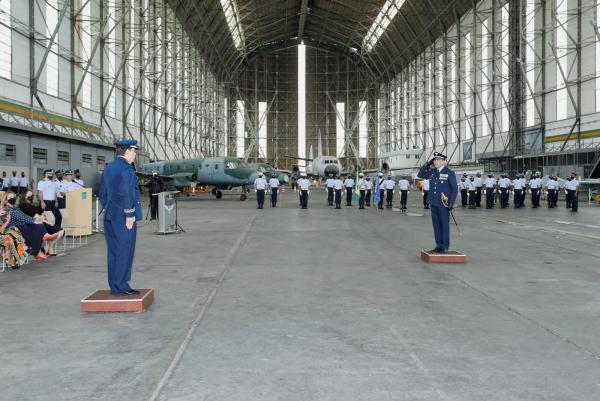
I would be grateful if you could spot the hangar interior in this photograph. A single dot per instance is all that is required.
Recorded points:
(502, 85)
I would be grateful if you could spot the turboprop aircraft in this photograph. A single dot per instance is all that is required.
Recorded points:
(217, 172)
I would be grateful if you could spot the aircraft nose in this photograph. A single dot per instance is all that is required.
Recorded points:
(331, 169)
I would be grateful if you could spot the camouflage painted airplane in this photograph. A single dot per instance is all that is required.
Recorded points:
(217, 172)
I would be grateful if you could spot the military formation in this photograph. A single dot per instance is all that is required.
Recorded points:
(493, 190)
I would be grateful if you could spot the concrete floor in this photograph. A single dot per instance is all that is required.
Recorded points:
(319, 304)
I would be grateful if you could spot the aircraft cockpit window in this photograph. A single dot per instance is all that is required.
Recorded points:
(206, 165)
(216, 166)
(231, 165)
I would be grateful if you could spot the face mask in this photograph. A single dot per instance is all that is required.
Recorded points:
(30, 199)
(12, 201)
(77, 176)
(50, 177)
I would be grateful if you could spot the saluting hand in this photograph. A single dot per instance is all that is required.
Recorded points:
(129, 222)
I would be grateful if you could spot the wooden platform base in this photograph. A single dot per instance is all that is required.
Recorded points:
(103, 301)
(449, 257)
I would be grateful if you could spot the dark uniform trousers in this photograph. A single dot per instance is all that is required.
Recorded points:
(260, 197)
(503, 197)
(368, 197)
(338, 198)
(329, 196)
(425, 202)
(389, 197)
(403, 198)
(381, 197)
(551, 195)
(573, 199)
(361, 200)
(15, 190)
(464, 197)
(440, 217)
(478, 196)
(523, 197)
(489, 198)
(472, 199)
(518, 198)
(349, 193)
(153, 206)
(304, 199)
(55, 212)
(535, 197)
(23, 190)
(120, 245)
(274, 197)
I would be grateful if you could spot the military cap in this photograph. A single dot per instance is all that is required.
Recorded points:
(439, 155)
(126, 144)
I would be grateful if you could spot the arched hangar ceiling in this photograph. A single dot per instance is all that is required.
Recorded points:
(335, 25)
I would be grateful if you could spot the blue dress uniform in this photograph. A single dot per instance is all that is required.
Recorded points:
(442, 181)
(120, 197)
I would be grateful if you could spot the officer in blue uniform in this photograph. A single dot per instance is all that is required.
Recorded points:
(120, 197)
(443, 190)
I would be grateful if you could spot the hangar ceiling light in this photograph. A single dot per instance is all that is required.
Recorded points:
(384, 18)
(233, 21)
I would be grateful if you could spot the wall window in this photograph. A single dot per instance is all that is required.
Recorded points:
(262, 129)
(111, 105)
(100, 162)
(52, 59)
(62, 158)
(5, 40)
(485, 62)
(40, 155)
(86, 160)
(86, 53)
(240, 128)
(362, 128)
(8, 152)
(468, 86)
(530, 61)
(505, 53)
(340, 128)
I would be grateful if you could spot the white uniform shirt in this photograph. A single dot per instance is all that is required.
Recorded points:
(389, 184)
(368, 185)
(23, 182)
(535, 183)
(361, 184)
(403, 185)
(5, 182)
(504, 182)
(463, 185)
(349, 183)
(523, 182)
(78, 181)
(490, 182)
(551, 184)
(425, 185)
(304, 184)
(67, 186)
(478, 182)
(338, 184)
(572, 185)
(48, 188)
(14, 181)
(470, 185)
(517, 184)
(274, 183)
(260, 183)
(329, 182)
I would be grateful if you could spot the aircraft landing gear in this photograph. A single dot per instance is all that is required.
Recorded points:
(243, 196)
(216, 193)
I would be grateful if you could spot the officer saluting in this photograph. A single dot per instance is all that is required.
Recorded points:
(120, 197)
(442, 194)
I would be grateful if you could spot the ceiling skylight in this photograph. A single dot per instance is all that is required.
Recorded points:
(385, 17)
(233, 21)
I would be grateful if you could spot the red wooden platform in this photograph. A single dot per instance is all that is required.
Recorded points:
(448, 257)
(103, 301)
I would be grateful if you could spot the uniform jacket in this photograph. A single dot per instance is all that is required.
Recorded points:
(442, 181)
(119, 191)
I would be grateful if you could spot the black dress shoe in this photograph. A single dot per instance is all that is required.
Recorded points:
(132, 292)
(435, 250)
(442, 250)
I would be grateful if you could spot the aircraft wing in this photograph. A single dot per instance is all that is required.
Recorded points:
(164, 178)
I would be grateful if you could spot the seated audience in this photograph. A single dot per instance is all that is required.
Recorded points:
(33, 210)
(32, 228)
(12, 243)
